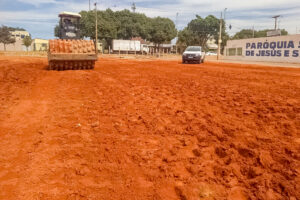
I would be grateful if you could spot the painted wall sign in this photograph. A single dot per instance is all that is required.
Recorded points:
(273, 49)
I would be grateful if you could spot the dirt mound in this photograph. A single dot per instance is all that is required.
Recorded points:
(148, 130)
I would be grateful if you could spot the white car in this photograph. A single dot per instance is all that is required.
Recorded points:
(193, 54)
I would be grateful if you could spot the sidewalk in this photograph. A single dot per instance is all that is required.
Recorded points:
(271, 64)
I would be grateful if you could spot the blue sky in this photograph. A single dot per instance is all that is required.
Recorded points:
(39, 17)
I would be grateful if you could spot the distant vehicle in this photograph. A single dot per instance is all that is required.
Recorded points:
(211, 53)
(193, 54)
(129, 46)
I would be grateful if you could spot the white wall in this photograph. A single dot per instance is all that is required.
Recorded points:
(17, 46)
(270, 49)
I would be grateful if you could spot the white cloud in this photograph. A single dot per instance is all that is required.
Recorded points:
(241, 14)
(39, 2)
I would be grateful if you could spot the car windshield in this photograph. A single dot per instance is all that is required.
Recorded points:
(193, 49)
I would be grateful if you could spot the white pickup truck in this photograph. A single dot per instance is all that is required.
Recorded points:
(193, 54)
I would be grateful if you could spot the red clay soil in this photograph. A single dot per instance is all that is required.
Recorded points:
(141, 129)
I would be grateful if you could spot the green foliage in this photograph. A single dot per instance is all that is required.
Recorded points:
(107, 29)
(125, 25)
(5, 36)
(248, 33)
(15, 29)
(132, 25)
(243, 34)
(56, 31)
(162, 30)
(27, 41)
(199, 30)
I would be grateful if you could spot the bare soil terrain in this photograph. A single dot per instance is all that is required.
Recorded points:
(148, 129)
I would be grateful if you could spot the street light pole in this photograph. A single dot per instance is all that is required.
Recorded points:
(220, 34)
(220, 38)
(96, 27)
(276, 17)
(176, 30)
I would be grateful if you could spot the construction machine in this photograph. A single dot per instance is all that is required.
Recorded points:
(69, 52)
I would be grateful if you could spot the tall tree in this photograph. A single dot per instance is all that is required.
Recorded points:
(125, 25)
(162, 30)
(131, 24)
(199, 30)
(5, 36)
(107, 29)
(27, 41)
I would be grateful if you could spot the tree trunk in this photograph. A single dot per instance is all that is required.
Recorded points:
(4, 46)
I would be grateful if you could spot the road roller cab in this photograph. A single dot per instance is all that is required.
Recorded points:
(69, 25)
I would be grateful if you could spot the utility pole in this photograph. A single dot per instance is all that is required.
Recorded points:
(177, 31)
(89, 5)
(252, 31)
(220, 38)
(96, 26)
(275, 17)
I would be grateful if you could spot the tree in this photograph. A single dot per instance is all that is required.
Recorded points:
(107, 29)
(5, 36)
(27, 41)
(131, 24)
(57, 31)
(244, 34)
(15, 29)
(162, 30)
(124, 25)
(248, 33)
(199, 30)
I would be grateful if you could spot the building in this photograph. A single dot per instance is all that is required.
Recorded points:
(100, 47)
(211, 45)
(17, 46)
(269, 49)
(19, 35)
(40, 45)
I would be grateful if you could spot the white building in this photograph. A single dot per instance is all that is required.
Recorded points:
(270, 49)
(19, 35)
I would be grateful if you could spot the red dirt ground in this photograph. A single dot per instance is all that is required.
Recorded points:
(140, 129)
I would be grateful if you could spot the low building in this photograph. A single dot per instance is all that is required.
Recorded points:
(40, 45)
(17, 46)
(268, 49)
(100, 47)
(19, 35)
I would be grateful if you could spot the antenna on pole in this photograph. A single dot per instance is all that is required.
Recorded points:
(133, 7)
(275, 17)
(89, 5)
